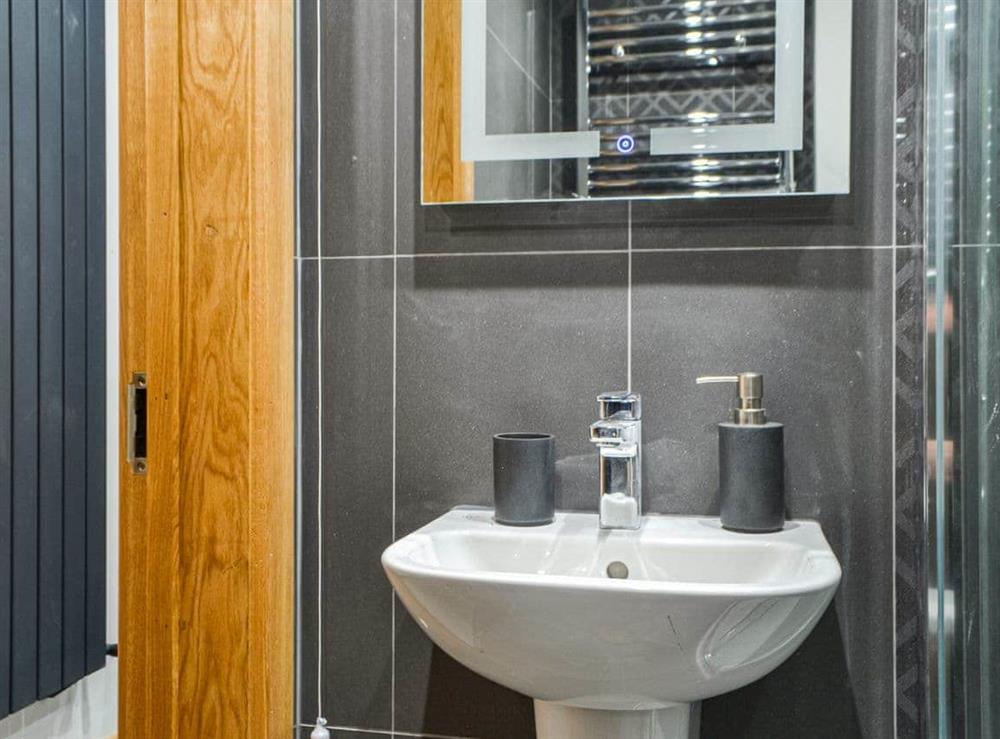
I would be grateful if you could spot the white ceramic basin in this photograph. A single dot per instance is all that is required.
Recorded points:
(703, 611)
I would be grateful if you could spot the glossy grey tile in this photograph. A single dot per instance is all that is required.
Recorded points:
(308, 486)
(511, 227)
(911, 567)
(796, 700)
(437, 695)
(911, 563)
(490, 344)
(817, 324)
(357, 147)
(306, 102)
(813, 220)
(910, 147)
(356, 516)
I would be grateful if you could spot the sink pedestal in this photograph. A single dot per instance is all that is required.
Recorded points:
(556, 721)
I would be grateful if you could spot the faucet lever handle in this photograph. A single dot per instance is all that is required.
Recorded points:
(619, 404)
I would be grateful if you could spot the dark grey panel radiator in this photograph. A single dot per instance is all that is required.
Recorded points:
(52, 347)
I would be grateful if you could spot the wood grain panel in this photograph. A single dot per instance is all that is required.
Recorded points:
(215, 366)
(219, 332)
(150, 342)
(272, 326)
(446, 177)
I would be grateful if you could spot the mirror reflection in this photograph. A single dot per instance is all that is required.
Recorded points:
(571, 99)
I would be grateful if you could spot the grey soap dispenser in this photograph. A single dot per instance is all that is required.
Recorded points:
(751, 461)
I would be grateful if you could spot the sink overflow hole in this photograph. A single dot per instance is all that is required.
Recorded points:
(618, 571)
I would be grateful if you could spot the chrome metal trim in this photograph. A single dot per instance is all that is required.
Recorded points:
(689, 22)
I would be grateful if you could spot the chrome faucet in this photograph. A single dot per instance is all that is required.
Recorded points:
(618, 436)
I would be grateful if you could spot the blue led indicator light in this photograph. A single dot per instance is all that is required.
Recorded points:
(625, 144)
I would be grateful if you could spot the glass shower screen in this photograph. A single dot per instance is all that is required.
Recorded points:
(963, 367)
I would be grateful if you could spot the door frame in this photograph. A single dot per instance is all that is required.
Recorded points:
(207, 232)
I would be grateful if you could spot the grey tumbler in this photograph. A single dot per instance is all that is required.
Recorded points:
(524, 479)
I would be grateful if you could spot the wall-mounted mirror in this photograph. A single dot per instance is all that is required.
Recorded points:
(588, 99)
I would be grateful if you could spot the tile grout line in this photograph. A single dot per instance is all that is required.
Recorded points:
(628, 307)
(549, 52)
(895, 242)
(605, 252)
(395, 290)
(299, 286)
(297, 265)
(319, 366)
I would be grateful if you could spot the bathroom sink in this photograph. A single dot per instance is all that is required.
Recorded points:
(614, 633)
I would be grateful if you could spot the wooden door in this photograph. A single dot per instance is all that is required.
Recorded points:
(446, 177)
(207, 243)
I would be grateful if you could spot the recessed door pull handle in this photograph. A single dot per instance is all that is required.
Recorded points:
(136, 451)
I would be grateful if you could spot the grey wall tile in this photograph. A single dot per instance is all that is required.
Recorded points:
(357, 126)
(356, 518)
(308, 484)
(356, 300)
(490, 344)
(437, 695)
(817, 323)
(306, 100)
(911, 567)
(496, 343)
(910, 141)
(800, 699)
(509, 227)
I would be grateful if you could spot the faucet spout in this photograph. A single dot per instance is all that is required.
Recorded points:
(618, 437)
